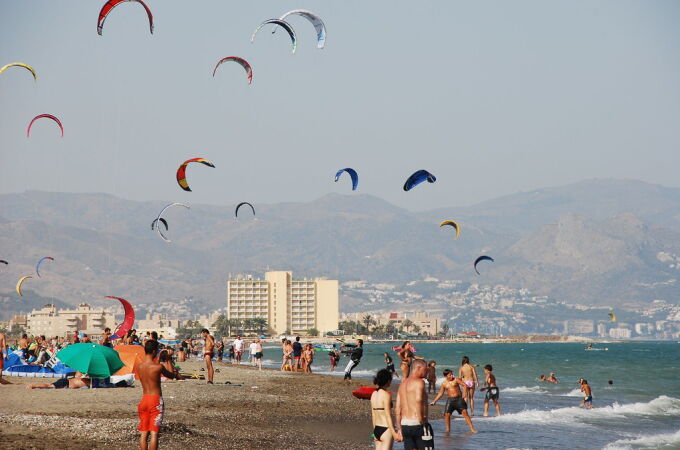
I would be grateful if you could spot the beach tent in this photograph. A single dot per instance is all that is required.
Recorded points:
(15, 366)
(131, 355)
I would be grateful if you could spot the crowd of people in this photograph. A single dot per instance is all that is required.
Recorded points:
(410, 423)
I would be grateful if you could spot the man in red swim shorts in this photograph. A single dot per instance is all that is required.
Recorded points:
(151, 407)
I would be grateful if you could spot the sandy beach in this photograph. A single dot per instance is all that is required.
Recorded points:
(272, 409)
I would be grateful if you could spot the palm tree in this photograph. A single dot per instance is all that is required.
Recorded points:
(259, 323)
(368, 321)
(445, 329)
(407, 324)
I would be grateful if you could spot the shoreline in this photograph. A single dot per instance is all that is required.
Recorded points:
(272, 409)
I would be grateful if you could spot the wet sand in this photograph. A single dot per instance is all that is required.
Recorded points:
(274, 410)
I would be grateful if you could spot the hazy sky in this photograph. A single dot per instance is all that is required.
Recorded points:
(491, 96)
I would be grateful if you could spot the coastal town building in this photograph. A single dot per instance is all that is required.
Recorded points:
(50, 321)
(160, 323)
(288, 305)
(578, 327)
(601, 329)
(421, 321)
(620, 333)
(18, 321)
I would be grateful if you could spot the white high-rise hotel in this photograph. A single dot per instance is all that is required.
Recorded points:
(288, 305)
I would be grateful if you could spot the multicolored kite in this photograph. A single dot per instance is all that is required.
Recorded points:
(108, 6)
(181, 171)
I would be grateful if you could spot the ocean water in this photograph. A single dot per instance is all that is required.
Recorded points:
(640, 410)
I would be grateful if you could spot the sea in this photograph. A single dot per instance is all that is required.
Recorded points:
(639, 410)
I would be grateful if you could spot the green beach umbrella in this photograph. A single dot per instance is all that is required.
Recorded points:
(93, 359)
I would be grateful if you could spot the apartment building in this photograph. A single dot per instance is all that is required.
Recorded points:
(53, 322)
(288, 305)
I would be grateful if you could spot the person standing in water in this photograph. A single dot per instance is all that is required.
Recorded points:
(469, 375)
(384, 432)
(356, 356)
(492, 391)
(587, 402)
(411, 410)
(454, 400)
(389, 363)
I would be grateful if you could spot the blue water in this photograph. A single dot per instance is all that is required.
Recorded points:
(640, 410)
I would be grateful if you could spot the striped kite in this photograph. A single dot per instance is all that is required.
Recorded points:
(181, 172)
(37, 266)
(108, 6)
(319, 26)
(46, 116)
(241, 61)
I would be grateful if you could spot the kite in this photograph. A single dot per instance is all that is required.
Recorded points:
(241, 61)
(4, 262)
(417, 178)
(163, 221)
(37, 266)
(283, 24)
(20, 282)
(108, 6)
(241, 204)
(453, 224)
(319, 26)
(482, 258)
(41, 116)
(128, 321)
(18, 64)
(161, 213)
(612, 317)
(352, 173)
(181, 171)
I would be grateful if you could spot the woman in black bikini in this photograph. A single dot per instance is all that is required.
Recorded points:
(381, 408)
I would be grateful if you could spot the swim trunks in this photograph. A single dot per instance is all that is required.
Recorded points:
(258, 355)
(150, 411)
(492, 393)
(208, 355)
(470, 384)
(378, 431)
(588, 399)
(418, 436)
(455, 403)
(60, 384)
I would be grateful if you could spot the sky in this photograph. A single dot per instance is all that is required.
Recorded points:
(493, 97)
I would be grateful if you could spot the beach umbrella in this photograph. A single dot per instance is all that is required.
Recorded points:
(170, 341)
(95, 360)
(131, 355)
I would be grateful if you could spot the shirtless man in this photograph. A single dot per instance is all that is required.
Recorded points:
(106, 338)
(71, 383)
(552, 378)
(150, 409)
(469, 375)
(411, 410)
(587, 402)
(454, 400)
(208, 354)
(491, 391)
(23, 345)
(3, 348)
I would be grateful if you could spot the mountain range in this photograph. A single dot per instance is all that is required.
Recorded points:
(600, 242)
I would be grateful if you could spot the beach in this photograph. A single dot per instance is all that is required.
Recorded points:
(272, 410)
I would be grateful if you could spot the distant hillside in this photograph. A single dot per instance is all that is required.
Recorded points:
(604, 242)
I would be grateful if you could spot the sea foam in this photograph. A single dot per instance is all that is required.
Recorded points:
(660, 406)
(656, 441)
(525, 390)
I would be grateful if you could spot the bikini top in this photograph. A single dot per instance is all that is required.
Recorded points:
(382, 409)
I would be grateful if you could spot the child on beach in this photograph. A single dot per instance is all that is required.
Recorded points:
(432, 377)
(587, 402)
(491, 391)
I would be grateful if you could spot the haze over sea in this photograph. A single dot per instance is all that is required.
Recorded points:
(640, 410)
